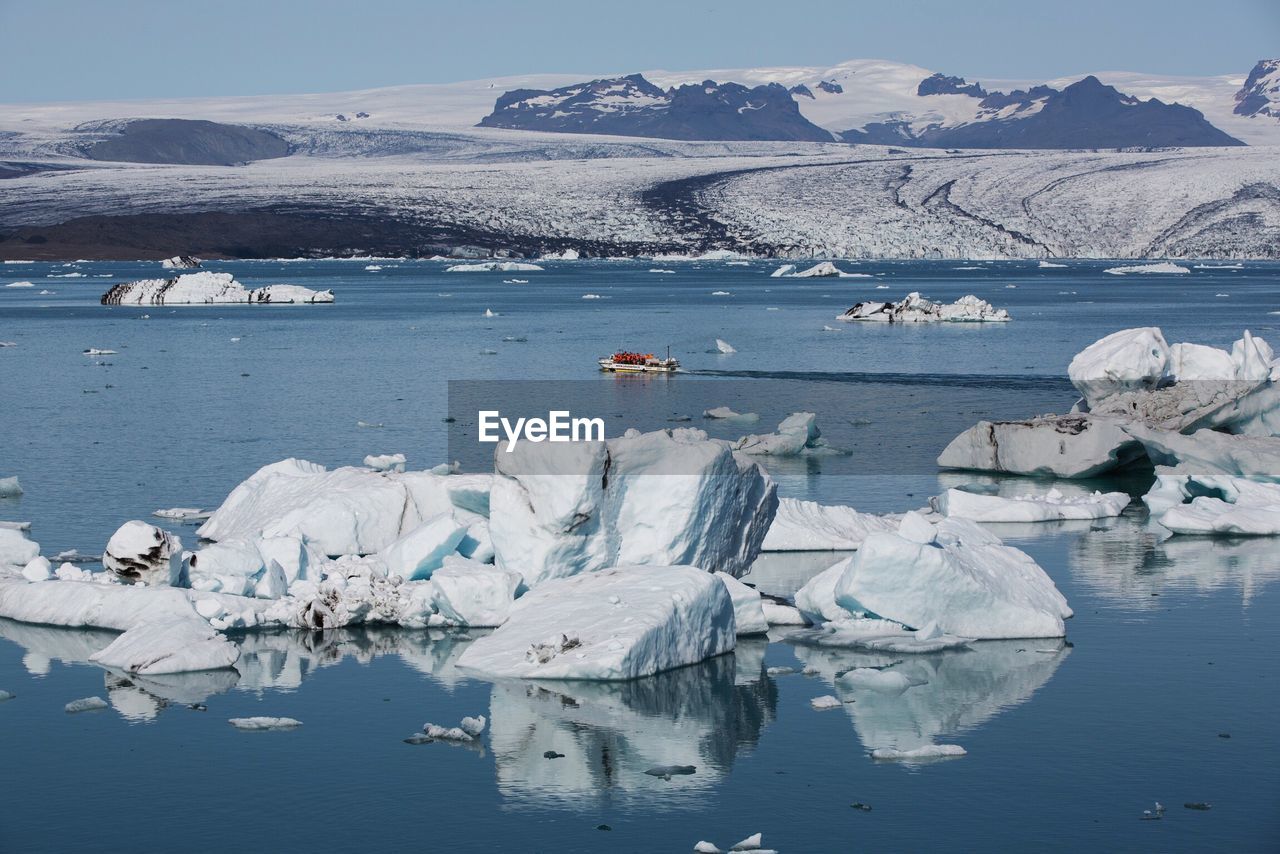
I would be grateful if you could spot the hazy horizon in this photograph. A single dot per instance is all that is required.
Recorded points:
(144, 49)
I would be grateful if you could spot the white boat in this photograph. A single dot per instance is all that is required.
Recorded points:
(624, 362)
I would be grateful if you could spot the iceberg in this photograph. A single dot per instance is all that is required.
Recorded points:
(619, 623)
(1122, 361)
(797, 434)
(748, 609)
(139, 552)
(262, 723)
(669, 497)
(1047, 265)
(494, 267)
(175, 645)
(724, 346)
(469, 593)
(16, 550)
(954, 575)
(1166, 267)
(1051, 506)
(1069, 446)
(820, 270)
(87, 704)
(9, 487)
(784, 270)
(181, 262)
(1210, 452)
(1215, 504)
(724, 413)
(809, 526)
(206, 288)
(419, 553)
(928, 751)
(916, 309)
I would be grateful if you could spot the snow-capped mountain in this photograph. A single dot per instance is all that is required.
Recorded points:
(1260, 94)
(632, 106)
(1086, 114)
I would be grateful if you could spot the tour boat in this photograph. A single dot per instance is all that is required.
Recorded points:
(625, 362)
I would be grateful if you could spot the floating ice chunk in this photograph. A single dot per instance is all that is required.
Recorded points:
(467, 731)
(1051, 506)
(87, 704)
(724, 413)
(468, 593)
(797, 434)
(826, 702)
(473, 726)
(262, 723)
(419, 553)
(1071, 446)
(721, 294)
(20, 285)
(1122, 361)
(754, 842)
(966, 581)
(494, 267)
(144, 553)
(385, 462)
(183, 514)
(820, 270)
(816, 600)
(9, 487)
(5, 696)
(289, 295)
(38, 569)
(592, 296)
(724, 346)
(748, 611)
(916, 309)
(929, 751)
(95, 351)
(1216, 504)
(16, 550)
(181, 262)
(488, 312)
(705, 847)
(802, 526)
(1046, 265)
(777, 614)
(206, 288)
(887, 681)
(1165, 267)
(568, 628)
(784, 270)
(168, 646)
(656, 270)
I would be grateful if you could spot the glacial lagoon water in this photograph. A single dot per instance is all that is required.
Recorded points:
(1172, 649)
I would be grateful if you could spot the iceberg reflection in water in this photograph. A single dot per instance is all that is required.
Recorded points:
(1129, 563)
(936, 696)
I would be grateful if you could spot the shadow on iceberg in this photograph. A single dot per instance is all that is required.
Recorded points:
(905, 703)
(1126, 563)
(611, 736)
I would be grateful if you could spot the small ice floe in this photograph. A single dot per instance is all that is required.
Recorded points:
(784, 270)
(373, 268)
(488, 312)
(826, 702)
(1010, 286)
(725, 347)
(515, 281)
(882, 287)
(826, 328)
(780, 671)
(754, 842)
(94, 351)
(656, 270)
(370, 425)
(1048, 265)
(1154, 814)
(1051, 506)
(666, 772)
(514, 339)
(822, 270)
(15, 343)
(468, 730)
(88, 704)
(5, 696)
(928, 751)
(262, 724)
(778, 614)
(74, 556)
(183, 514)
(385, 462)
(487, 352)
(721, 294)
(1222, 295)
(48, 293)
(1165, 267)
(724, 413)
(236, 340)
(181, 262)
(797, 435)
(592, 296)
(494, 267)
(20, 285)
(9, 487)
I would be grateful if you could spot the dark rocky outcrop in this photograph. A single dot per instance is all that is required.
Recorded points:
(632, 106)
(941, 84)
(187, 142)
(1260, 94)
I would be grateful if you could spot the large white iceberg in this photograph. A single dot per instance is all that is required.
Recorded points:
(468, 593)
(955, 576)
(618, 623)
(1050, 506)
(206, 288)
(1165, 267)
(1210, 452)
(669, 497)
(916, 309)
(802, 526)
(181, 262)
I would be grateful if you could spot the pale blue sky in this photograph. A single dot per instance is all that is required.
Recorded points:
(93, 49)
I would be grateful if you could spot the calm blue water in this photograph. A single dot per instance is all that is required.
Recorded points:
(1173, 643)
